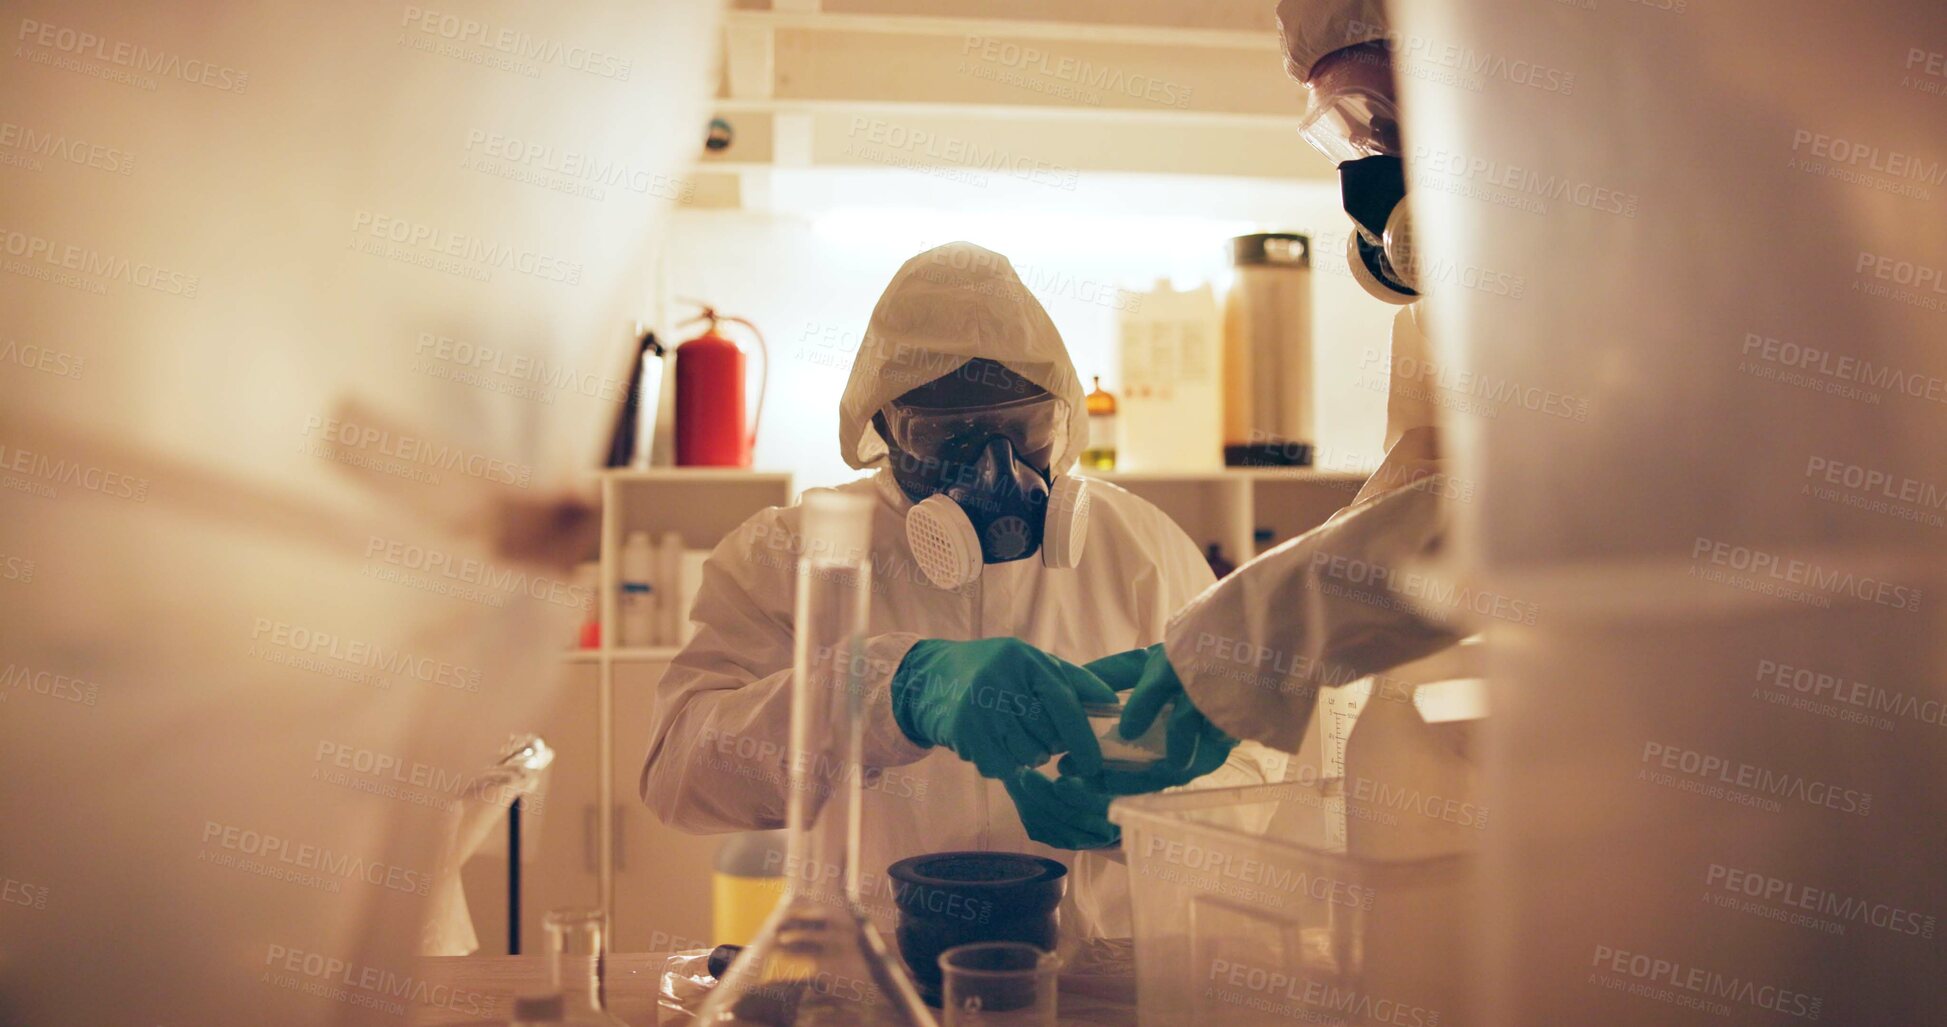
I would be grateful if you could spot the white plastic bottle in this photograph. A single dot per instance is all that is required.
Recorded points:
(637, 601)
(669, 570)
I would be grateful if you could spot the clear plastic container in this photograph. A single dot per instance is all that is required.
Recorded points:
(1249, 909)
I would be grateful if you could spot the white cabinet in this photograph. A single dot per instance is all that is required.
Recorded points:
(661, 875)
(654, 881)
(592, 842)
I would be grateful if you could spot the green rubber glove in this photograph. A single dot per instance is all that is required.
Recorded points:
(1000, 703)
(1194, 746)
(1065, 813)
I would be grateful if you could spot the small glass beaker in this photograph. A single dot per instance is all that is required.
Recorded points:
(998, 984)
(575, 953)
(1105, 720)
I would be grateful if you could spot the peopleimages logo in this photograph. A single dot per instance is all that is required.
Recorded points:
(1868, 157)
(1820, 901)
(1709, 769)
(21, 893)
(1774, 571)
(443, 567)
(1874, 490)
(1411, 49)
(1075, 71)
(455, 253)
(44, 470)
(1900, 272)
(1203, 865)
(89, 46)
(1839, 372)
(306, 856)
(62, 147)
(515, 43)
(500, 154)
(355, 653)
(1383, 585)
(1307, 997)
(1858, 695)
(41, 252)
(416, 451)
(362, 984)
(24, 678)
(1700, 984)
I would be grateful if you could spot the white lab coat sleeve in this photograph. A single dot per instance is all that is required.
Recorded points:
(1324, 609)
(719, 755)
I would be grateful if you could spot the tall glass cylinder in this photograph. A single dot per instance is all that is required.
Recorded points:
(818, 959)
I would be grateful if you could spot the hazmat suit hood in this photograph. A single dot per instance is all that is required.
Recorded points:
(945, 307)
(1310, 29)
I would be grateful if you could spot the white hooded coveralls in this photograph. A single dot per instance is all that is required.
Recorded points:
(717, 761)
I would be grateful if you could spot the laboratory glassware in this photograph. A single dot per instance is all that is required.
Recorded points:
(999, 984)
(575, 966)
(818, 959)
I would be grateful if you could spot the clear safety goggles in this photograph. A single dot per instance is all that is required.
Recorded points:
(1030, 423)
(1349, 123)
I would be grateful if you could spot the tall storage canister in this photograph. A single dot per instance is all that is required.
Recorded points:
(1268, 405)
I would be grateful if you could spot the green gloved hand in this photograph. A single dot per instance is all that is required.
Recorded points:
(1065, 813)
(1194, 746)
(1000, 703)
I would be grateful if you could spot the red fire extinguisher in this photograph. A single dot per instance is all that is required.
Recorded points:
(710, 426)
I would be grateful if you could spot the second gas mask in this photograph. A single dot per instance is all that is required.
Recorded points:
(1357, 128)
(1380, 249)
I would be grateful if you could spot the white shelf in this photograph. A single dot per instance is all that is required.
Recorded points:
(1231, 474)
(693, 474)
(1249, 40)
(969, 109)
(643, 654)
(639, 654)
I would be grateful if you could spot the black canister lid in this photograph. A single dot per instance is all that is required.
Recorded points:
(1283, 249)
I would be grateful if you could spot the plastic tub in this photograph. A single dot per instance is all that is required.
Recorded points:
(1247, 912)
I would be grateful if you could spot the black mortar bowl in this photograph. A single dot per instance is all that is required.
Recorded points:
(957, 898)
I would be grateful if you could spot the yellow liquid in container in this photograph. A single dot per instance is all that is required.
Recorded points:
(740, 905)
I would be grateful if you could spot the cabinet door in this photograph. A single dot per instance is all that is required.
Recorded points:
(662, 875)
(558, 832)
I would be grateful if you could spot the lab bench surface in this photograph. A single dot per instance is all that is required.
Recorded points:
(631, 984)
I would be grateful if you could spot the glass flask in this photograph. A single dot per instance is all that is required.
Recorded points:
(575, 966)
(818, 959)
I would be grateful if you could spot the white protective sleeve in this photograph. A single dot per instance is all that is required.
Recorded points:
(1329, 607)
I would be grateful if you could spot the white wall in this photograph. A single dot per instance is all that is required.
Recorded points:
(810, 275)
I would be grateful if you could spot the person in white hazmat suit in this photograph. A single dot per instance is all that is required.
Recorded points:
(956, 348)
(1251, 654)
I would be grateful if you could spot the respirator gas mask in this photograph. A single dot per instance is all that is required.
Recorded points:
(981, 488)
(1358, 129)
